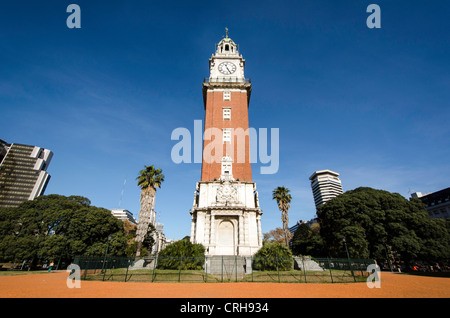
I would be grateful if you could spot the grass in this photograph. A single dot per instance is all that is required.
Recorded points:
(199, 276)
(15, 273)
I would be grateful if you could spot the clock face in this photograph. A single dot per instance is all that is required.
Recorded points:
(227, 68)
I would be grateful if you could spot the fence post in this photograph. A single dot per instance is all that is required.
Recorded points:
(104, 269)
(179, 272)
(351, 268)
(304, 268)
(85, 269)
(235, 265)
(278, 270)
(126, 273)
(251, 264)
(154, 268)
(329, 266)
(206, 269)
(222, 268)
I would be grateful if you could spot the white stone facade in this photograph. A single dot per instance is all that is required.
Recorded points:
(226, 217)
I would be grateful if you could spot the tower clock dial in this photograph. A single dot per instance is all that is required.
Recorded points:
(227, 68)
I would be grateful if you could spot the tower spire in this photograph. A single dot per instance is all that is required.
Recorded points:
(226, 32)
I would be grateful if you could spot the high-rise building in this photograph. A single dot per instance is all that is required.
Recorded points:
(124, 215)
(23, 174)
(226, 217)
(325, 185)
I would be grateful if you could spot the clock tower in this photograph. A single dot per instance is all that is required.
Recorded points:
(226, 96)
(226, 217)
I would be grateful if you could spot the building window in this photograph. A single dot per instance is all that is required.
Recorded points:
(226, 135)
(226, 95)
(226, 166)
(226, 113)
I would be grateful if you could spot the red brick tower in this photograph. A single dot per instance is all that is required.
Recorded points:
(226, 96)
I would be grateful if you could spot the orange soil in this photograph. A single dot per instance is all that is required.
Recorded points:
(53, 285)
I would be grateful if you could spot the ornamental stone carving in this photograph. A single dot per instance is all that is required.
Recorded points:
(227, 193)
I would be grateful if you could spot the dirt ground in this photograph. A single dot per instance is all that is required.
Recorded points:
(54, 285)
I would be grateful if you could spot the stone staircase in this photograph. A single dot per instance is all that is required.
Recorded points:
(227, 267)
(306, 264)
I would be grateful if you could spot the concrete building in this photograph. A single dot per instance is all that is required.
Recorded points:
(160, 239)
(124, 215)
(226, 216)
(437, 203)
(325, 185)
(23, 173)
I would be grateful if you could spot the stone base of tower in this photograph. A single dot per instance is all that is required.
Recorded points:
(226, 217)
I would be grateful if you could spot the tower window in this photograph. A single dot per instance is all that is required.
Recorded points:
(226, 135)
(226, 113)
(227, 47)
(226, 95)
(226, 166)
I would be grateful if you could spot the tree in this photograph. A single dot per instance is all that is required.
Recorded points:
(274, 236)
(58, 227)
(182, 253)
(148, 180)
(283, 198)
(273, 256)
(307, 240)
(374, 222)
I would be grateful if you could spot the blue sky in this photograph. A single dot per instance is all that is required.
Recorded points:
(371, 104)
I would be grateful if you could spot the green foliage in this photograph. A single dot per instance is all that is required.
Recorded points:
(273, 256)
(55, 226)
(282, 196)
(307, 241)
(373, 220)
(182, 253)
(149, 177)
(149, 239)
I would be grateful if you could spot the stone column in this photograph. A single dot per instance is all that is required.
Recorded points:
(212, 238)
(241, 230)
(246, 231)
(193, 223)
(258, 221)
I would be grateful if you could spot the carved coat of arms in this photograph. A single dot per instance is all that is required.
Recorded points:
(227, 193)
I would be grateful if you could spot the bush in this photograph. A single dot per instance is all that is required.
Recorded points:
(182, 253)
(273, 256)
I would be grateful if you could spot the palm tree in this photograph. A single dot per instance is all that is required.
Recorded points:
(149, 179)
(283, 198)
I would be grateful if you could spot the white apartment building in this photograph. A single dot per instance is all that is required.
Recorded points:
(124, 215)
(325, 185)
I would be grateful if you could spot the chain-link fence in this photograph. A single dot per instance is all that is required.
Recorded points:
(224, 269)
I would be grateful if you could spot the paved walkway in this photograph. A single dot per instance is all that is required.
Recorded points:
(54, 285)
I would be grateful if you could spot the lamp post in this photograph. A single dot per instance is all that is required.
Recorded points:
(106, 252)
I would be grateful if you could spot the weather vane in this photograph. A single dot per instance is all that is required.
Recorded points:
(226, 32)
